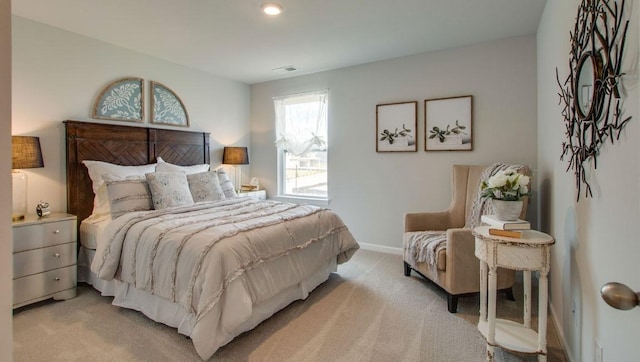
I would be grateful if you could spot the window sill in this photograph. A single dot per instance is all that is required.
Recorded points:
(303, 200)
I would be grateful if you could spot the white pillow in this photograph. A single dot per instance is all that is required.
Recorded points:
(169, 167)
(205, 186)
(226, 184)
(99, 168)
(128, 194)
(169, 189)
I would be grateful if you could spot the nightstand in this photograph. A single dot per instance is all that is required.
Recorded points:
(259, 194)
(44, 258)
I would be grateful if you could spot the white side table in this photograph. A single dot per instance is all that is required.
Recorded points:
(258, 194)
(529, 253)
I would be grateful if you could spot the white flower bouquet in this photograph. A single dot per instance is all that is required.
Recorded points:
(508, 185)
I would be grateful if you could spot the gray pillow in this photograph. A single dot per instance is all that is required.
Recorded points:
(169, 189)
(226, 184)
(205, 186)
(127, 194)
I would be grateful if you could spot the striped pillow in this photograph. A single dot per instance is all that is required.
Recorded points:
(226, 184)
(127, 194)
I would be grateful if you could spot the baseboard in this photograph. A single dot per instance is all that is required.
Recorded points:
(381, 248)
(560, 332)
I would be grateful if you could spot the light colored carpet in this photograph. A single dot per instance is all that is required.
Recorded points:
(368, 311)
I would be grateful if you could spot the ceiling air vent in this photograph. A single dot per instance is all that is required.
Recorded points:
(286, 69)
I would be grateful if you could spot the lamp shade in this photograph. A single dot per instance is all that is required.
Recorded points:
(26, 152)
(235, 156)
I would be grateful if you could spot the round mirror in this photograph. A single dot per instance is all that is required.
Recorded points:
(587, 74)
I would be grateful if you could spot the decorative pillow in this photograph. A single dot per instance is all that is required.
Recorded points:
(205, 186)
(99, 168)
(127, 194)
(169, 189)
(169, 167)
(226, 184)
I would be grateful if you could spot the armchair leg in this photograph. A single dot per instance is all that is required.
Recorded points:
(407, 269)
(452, 303)
(509, 293)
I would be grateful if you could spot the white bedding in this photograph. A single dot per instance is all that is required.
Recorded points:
(225, 265)
(90, 228)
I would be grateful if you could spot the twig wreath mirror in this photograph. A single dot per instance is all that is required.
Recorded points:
(590, 95)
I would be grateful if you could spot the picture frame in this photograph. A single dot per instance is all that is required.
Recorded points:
(166, 107)
(396, 127)
(448, 124)
(121, 100)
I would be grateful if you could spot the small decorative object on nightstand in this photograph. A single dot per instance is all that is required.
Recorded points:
(528, 253)
(260, 194)
(44, 258)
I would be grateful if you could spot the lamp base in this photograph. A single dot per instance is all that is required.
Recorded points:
(19, 183)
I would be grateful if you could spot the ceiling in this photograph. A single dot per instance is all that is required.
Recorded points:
(235, 40)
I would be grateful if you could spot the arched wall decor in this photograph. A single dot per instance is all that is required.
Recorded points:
(590, 95)
(121, 100)
(167, 107)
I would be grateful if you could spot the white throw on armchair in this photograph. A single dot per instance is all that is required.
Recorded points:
(453, 265)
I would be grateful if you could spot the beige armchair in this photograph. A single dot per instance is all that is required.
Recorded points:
(456, 269)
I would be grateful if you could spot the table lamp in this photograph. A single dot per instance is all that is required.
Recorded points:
(25, 153)
(235, 156)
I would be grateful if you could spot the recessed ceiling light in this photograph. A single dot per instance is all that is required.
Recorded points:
(272, 8)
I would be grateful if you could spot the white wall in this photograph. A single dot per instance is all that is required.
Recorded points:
(6, 247)
(596, 239)
(57, 75)
(371, 191)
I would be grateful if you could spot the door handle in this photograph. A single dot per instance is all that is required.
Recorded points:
(620, 296)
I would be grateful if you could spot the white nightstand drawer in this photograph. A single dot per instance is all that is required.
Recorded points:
(44, 234)
(39, 260)
(44, 284)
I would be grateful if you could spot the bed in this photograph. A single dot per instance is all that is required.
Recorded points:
(212, 269)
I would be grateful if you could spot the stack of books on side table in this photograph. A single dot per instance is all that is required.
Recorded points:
(512, 229)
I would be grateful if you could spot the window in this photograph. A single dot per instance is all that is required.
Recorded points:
(301, 139)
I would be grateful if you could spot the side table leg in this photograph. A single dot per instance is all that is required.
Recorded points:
(526, 281)
(483, 291)
(491, 311)
(542, 316)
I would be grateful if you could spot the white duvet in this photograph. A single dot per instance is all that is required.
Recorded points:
(224, 255)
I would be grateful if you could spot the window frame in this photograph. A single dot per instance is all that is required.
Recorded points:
(281, 160)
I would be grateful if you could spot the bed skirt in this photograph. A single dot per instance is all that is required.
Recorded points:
(172, 314)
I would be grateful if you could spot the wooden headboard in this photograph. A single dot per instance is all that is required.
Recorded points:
(123, 145)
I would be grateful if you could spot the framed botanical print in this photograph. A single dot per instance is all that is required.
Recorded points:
(448, 124)
(396, 127)
(121, 100)
(166, 107)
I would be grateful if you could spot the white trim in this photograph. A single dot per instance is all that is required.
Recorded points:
(560, 333)
(381, 248)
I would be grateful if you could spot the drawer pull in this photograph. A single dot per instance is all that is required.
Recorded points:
(56, 231)
(57, 255)
(57, 279)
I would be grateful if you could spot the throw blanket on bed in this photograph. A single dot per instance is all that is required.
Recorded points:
(424, 246)
(192, 255)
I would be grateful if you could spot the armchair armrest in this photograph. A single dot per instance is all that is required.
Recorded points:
(422, 221)
(463, 268)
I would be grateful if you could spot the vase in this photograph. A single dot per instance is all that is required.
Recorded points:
(507, 210)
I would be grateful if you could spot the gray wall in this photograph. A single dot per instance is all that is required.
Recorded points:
(371, 191)
(596, 239)
(57, 75)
